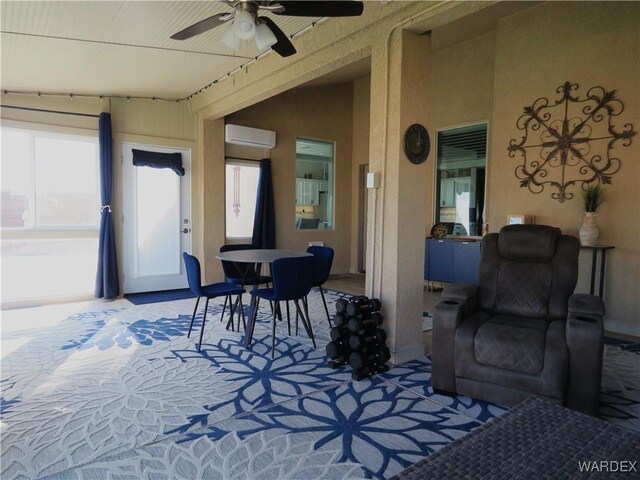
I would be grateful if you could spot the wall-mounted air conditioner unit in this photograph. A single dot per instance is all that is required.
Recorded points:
(249, 137)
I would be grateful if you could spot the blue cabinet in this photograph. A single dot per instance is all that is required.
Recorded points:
(439, 261)
(452, 261)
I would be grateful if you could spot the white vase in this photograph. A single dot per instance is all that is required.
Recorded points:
(589, 231)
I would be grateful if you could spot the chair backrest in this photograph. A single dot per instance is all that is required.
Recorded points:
(529, 271)
(238, 269)
(292, 277)
(322, 261)
(193, 273)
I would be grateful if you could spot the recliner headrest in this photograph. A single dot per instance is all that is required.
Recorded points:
(533, 243)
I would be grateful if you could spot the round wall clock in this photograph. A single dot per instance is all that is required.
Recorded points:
(417, 143)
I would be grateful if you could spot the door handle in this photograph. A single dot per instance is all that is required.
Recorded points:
(186, 230)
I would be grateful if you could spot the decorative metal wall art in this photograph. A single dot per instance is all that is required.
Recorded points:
(569, 141)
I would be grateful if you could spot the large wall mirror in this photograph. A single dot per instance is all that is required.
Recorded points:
(314, 184)
(461, 166)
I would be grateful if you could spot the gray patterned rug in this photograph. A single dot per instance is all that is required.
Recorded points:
(536, 439)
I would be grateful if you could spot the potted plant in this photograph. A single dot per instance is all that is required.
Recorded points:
(593, 196)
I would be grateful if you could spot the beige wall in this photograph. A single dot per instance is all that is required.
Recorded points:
(142, 121)
(321, 113)
(360, 154)
(492, 77)
(460, 92)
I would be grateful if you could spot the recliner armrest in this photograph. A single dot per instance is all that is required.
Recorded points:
(585, 340)
(582, 304)
(462, 294)
(457, 300)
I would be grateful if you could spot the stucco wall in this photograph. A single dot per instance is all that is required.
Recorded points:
(321, 113)
(529, 55)
(361, 122)
(460, 92)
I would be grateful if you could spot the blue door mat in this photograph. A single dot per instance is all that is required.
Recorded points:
(160, 296)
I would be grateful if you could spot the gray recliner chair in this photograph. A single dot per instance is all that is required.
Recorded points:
(521, 331)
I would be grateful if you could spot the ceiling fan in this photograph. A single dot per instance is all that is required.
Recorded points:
(245, 22)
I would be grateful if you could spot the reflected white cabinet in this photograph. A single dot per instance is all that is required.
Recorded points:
(308, 191)
(450, 188)
(463, 185)
(448, 192)
(299, 190)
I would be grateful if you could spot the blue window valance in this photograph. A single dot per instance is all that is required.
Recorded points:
(142, 158)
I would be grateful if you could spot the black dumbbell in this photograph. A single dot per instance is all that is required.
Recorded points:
(361, 373)
(360, 360)
(363, 306)
(360, 326)
(341, 305)
(339, 334)
(340, 320)
(358, 342)
(337, 351)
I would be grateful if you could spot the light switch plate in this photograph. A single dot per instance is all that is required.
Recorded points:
(373, 180)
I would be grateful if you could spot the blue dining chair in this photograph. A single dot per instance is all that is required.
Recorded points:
(213, 290)
(240, 273)
(291, 282)
(322, 261)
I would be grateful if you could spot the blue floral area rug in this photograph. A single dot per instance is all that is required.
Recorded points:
(119, 391)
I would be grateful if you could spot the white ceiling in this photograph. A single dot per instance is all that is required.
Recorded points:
(122, 48)
(117, 48)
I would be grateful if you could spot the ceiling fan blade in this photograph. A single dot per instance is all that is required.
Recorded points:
(283, 46)
(202, 26)
(345, 8)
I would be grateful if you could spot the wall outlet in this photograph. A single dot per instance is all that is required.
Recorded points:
(318, 243)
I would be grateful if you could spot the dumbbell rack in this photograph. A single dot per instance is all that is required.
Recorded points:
(357, 337)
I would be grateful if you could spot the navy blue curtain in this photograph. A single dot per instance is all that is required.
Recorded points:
(107, 275)
(264, 223)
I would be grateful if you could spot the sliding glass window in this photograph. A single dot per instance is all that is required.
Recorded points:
(50, 214)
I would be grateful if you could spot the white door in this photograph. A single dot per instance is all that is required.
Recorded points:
(156, 222)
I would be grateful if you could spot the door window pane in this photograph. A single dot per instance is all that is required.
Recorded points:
(241, 188)
(157, 214)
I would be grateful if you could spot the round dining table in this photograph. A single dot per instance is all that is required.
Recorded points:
(257, 257)
(260, 255)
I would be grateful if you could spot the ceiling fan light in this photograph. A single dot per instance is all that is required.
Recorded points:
(244, 25)
(264, 36)
(230, 40)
